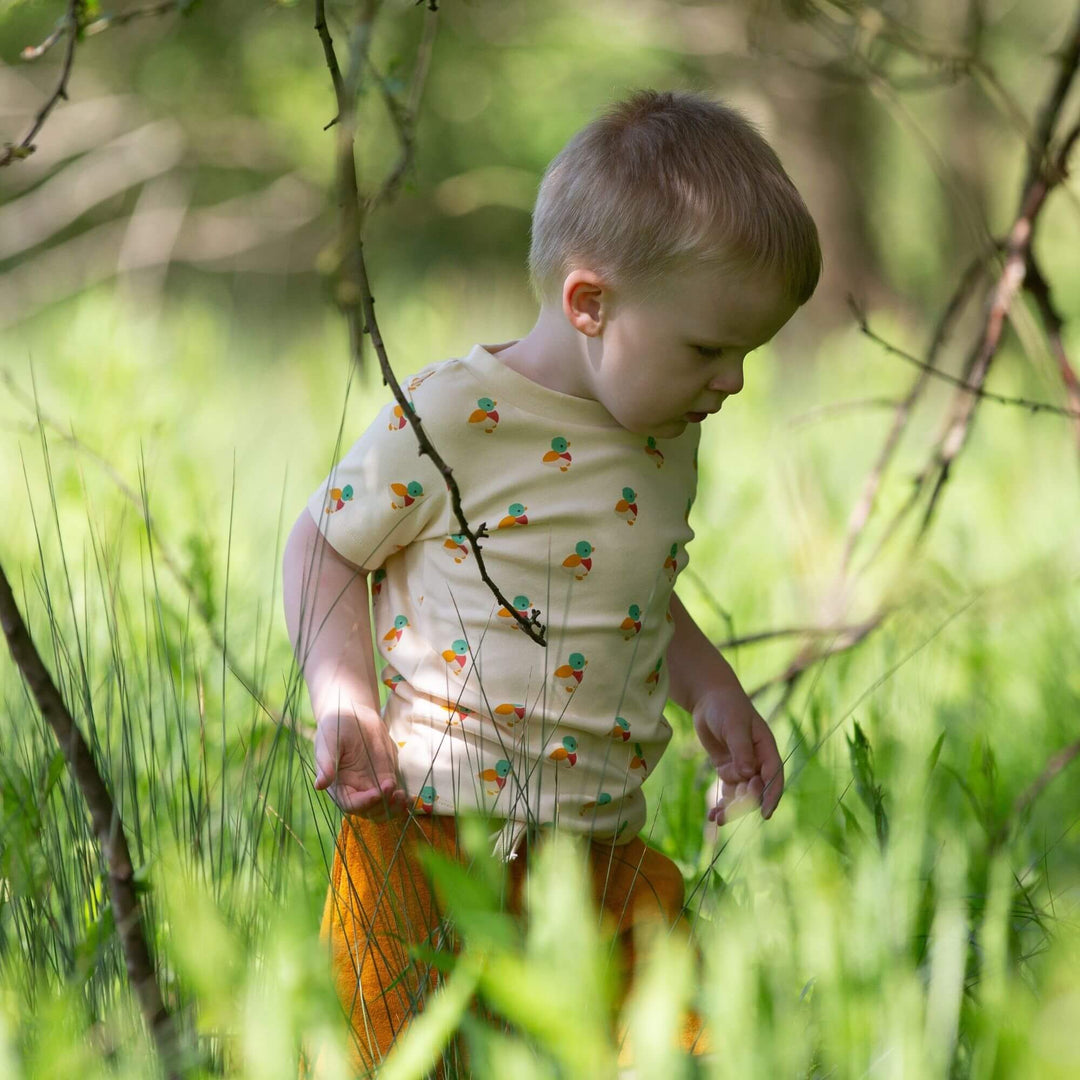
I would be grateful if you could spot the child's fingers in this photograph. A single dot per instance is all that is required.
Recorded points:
(772, 768)
(737, 800)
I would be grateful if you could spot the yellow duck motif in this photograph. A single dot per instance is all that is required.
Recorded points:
(638, 759)
(571, 673)
(671, 563)
(425, 801)
(652, 680)
(419, 378)
(484, 414)
(457, 654)
(620, 729)
(559, 454)
(602, 799)
(457, 714)
(402, 495)
(392, 682)
(496, 776)
(566, 752)
(338, 498)
(521, 605)
(626, 507)
(456, 547)
(515, 515)
(509, 709)
(631, 625)
(654, 451)
(579, 563)
(393, 635)
(398, 420)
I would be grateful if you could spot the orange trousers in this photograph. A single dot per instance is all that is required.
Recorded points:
(380, 904)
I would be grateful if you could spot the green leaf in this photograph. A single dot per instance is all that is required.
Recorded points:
(416, 1054)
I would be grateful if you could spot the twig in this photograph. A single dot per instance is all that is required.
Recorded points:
(788, 631)
(70, 24)
(404, 116)
(1009, 283)
(124, 897)
(73, 24)
(975, 389)
(358, 305)
(846, 638)
(1039, 288)
(121, 18)
(860, 514)
(1058, 763)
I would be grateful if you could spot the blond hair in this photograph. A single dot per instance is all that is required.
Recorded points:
(663, 181)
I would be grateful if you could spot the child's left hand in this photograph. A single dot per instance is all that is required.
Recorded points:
(741, 746)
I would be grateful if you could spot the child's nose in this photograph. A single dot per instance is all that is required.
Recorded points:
(729, 380)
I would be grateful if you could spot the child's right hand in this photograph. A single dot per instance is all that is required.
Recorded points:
(356, 762)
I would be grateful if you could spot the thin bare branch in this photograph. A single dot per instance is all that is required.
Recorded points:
(123, 892)
(121, 18)
(845, 638)
(404, 116)
(1057, 764)
(1036, 284)
(973, 388)
(862, 510)
(70, 26)
(354, 291)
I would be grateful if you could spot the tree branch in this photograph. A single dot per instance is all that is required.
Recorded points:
(123, 895)
(973, 388)
(1039, 288)
(71, 25)
(354, 290)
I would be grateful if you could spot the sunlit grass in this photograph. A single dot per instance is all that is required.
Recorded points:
(824, 952)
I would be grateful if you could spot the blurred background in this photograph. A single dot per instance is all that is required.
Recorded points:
(166, 297)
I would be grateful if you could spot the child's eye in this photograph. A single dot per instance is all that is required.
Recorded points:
(709, 351)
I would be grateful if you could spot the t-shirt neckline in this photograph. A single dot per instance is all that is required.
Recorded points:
(522, 393)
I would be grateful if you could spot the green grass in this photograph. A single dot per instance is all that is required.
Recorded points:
(874, 927)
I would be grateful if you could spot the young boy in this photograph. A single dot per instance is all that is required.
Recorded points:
(667, 243)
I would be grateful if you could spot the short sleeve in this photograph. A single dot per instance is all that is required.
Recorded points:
(382, 496)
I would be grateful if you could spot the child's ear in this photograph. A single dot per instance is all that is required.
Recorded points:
(584, 296)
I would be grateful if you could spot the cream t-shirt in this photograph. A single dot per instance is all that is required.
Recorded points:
(588, 523)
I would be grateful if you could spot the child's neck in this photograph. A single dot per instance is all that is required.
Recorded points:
(552, 354)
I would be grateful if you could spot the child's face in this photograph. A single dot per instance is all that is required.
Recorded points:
(659, 364)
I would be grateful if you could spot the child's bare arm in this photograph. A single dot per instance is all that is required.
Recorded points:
(326, 611)
(733, 733)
